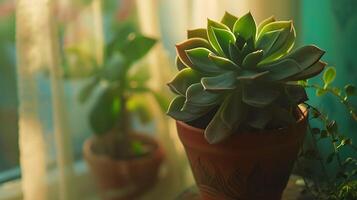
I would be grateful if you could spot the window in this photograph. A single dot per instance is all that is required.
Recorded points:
(9, 151)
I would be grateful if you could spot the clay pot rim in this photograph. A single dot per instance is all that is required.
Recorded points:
(303, 116)
(156, 153)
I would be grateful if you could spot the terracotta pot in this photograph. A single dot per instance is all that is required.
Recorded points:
(124, 179)
(247, 166)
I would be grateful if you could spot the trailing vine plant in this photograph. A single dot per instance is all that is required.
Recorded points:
(343, 184)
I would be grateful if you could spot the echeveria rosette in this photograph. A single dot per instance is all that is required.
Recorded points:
(245, 73)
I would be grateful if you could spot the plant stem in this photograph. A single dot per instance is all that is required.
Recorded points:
(343, 99)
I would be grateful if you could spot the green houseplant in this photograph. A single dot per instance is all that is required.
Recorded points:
(237, 105)
(123, 162)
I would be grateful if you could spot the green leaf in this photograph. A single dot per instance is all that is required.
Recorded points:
(226, 119)
(320, 92)
(274, 26)
(281, 70)
(283, 44)
(306, 56)
(197, 33)
(201, 63)
(226, 81)
(136, 47)
(259, 118)
(350, 90)
(184, 79)
(252, 59)
(235, 54)
(267, 40)
(224, 38)
(197, 110)
(233, 110)
(329, 75)
(190, 44)
(175, 110)
(249, 76)
(87, 90)
(312, 71)
(229, 20)
(196, 95)
(259, 95)
(115, 68)
(179, 64)
(212, 37)
(104, 113)
(222, 62)
(245, 27)
(265, 22)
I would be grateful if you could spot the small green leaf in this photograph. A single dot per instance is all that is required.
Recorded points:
(245, 27)
(320, 92)
(224, 38)
(175, 110)
(136, 47)
(350, 90)
(212, 37)
(229, 20)
(222, 62)
(265, 22)
(329, 75)
(252, 59)
(190, 44)
(197, 33)
(226, 81)
(201, 63)
(197, 95)
(184, 79)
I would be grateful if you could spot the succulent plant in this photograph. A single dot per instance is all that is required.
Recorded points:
(235, 75)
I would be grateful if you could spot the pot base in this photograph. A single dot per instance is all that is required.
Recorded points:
(250, 166)
(124, 179)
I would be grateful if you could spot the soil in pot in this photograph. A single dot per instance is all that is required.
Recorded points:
(247, 166)
(124, 176)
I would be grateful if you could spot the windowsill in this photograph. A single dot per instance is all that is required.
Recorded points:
(12, 190)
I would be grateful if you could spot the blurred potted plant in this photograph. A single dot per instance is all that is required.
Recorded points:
(238, 106)
(124, 163)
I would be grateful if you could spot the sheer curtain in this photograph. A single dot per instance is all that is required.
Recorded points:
(39, 59)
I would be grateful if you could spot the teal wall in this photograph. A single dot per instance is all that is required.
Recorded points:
(332, 25)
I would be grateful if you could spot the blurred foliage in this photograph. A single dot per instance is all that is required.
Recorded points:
(342, 185)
